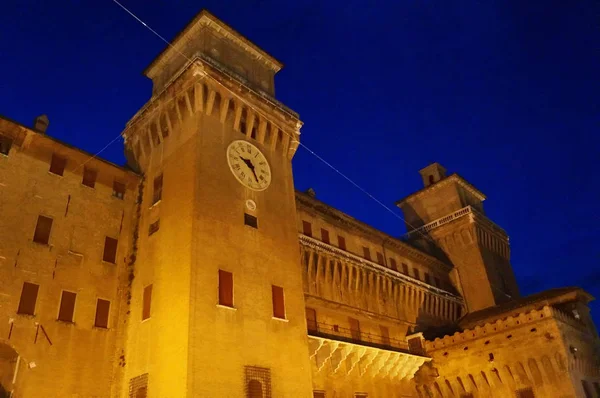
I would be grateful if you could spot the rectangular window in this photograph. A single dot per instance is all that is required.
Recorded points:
(342, 242)
(118, 190)
(311, 319)
(523, 393)
(404, 269)
(306, 228)
(466, 395)
(417, 274)
(28, 298)
(42, 230)
(154, 227)
(278, 303)
(360, 395)
(158, 184)
(89, 177)
(250, 220)
(393, 264)
(225, 288)
(102, 311)
(67, 306)
(379, 258)
(367, 253)
(385, 335)
(325, 235)
(110, 250)
(354, 328)
(147, 302)
(437, 281)
(318, 394)
(427, 278)
(57, 165)
(5, 144)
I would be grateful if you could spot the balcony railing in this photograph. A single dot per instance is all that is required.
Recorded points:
(336, 332)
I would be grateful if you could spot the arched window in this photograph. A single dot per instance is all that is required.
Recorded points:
(255, 389)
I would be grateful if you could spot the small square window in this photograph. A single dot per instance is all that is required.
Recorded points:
(119, 190)
(147, 302)
(5, 145)
(67, 306)
(28, 298)
(154, 227)
(102, 311)
(110, 250)
(57, 165)
(89, 177)
(325, 235)
(250, 220)
(42, 230)
(342, 242)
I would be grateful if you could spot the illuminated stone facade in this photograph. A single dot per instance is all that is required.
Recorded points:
(172, 277)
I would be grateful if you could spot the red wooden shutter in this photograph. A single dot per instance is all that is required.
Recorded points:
(367, 253)
(393, 264)
(147, 302)
(278, 304)
(405, 268)
(42, 230)
(102, 311)
(325, 235)
(225, 288)
(342, 242)
(28, 298)
(379, 258)
(306, 228)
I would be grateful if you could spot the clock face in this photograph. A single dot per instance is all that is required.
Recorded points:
(249, 165)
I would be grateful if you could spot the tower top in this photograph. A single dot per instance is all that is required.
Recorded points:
(432, 174)
(207, 36)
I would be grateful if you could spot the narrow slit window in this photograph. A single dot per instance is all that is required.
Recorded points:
(102, 311)
(278, 303)
(110, 250)
(225, 288)
(306, 228)
(5, 145)
(379, 258)
(67, 306)
(325, 235)
(147, 302)
(57, 165)
(119, 190)
(153, 228)
(250, 220)
(89, 177)
(367, 253)
(342, 242)
(158, 185)
(42, 230)
(28, 299)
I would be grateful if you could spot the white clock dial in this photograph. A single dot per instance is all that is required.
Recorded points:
(249, 165)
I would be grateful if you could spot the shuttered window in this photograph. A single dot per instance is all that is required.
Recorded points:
(110, 250)
(306, 228)
(325, 235)
(417, 273)
(102, 311)
(118, 190)
(28, 298)
(404, 268)
(311, 319)
(42, 230)
(57, 165)
(67, 306)
(379, 258)
(278, 303)
(342, 242)
(367, 253)
(158, 184)
(147, 302)
(89, 177)
(393, 264)
(225, 288)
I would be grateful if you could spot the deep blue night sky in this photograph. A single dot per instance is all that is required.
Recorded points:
(506, 93)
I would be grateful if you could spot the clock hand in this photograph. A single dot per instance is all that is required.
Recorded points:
(250, 166)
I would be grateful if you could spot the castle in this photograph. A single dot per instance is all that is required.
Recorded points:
(198, 271)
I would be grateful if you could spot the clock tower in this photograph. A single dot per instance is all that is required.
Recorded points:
(215, 299)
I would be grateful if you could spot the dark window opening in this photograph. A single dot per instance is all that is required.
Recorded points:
(342, 242)
(147, 302)
(437, 281)
(57, 165)
(367, 253)
(118, 190)
(354, 328)
(325, 235)
(404, 268)
(525, 393)
(5, 145)
(89, 177)
(431, 180)
(102, 311)
(110, 250)
(393, 264)
(311, 319)
(379, 258)
(417, 273)
(28, 298)
(67, 306)
(157, 194)
(278, 303)
(586, 389)
(154, 227)
(306, 228)
(225, 288)
(385, 335)
(318, 394)
(427, 278)
(42, 230)
(250, 220)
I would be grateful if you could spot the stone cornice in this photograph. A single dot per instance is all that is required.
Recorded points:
(368, 231)
(362, 262)
(454, 178)
(207, 19)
